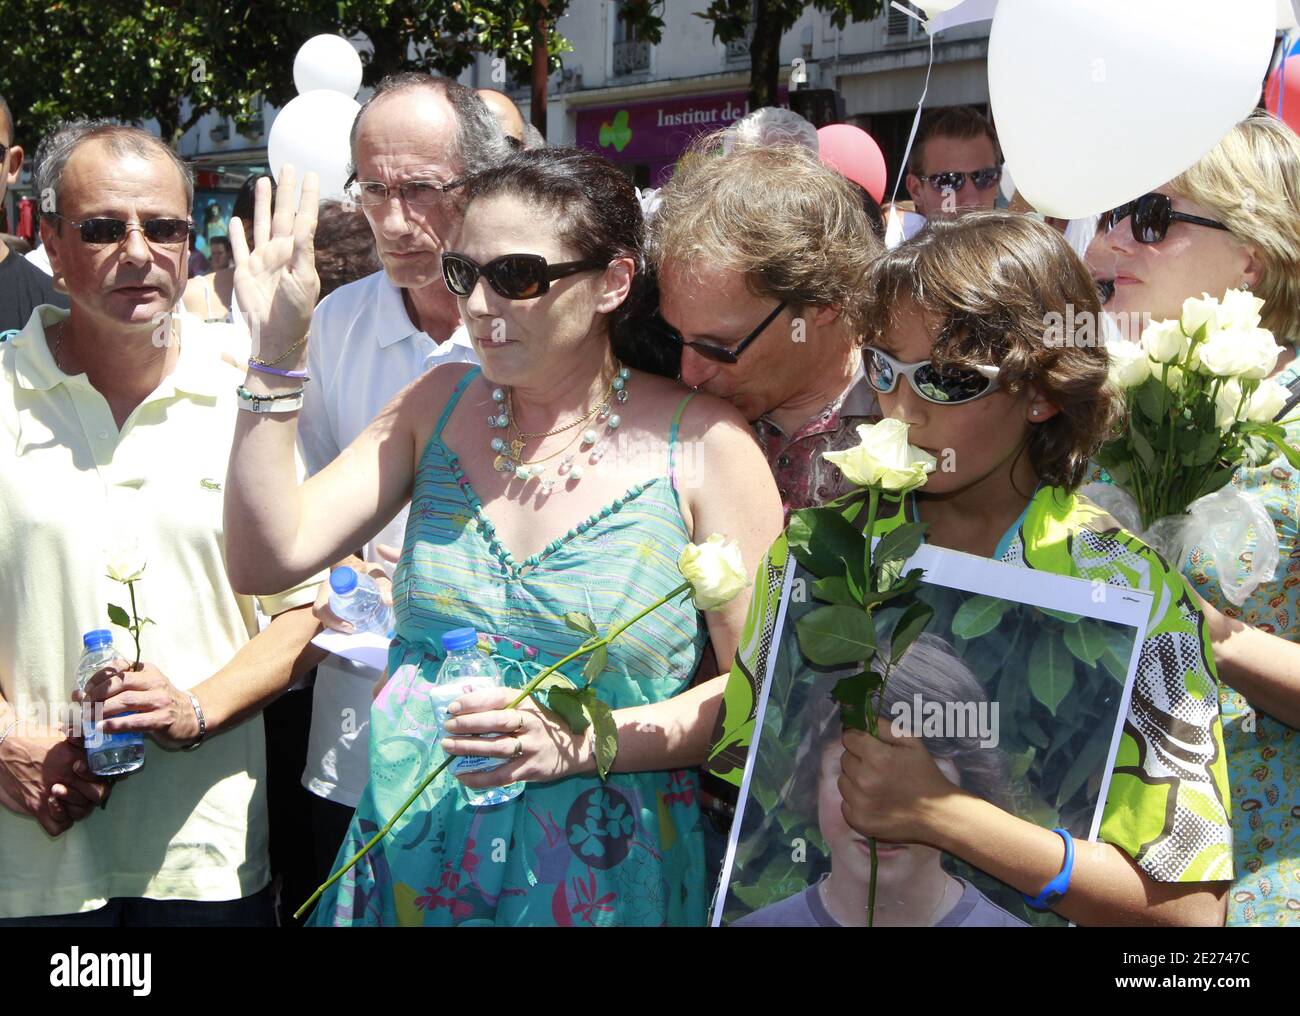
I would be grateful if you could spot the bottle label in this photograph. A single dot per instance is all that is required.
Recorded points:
(96, 738)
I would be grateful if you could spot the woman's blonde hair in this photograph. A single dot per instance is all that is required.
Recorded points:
(1251, 183)
(1007, 290)
(792, 227)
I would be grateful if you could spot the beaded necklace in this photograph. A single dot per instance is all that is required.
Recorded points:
(509, 454)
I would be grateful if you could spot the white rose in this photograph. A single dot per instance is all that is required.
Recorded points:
(1250, 354)
(1129, 364)
(884, 459)
(1267, 402)
(1173, 378)
(124, 560)
(1261, 352)
(1165, 342)
(1239, 310)
(716, 571)
(1228, 409)
(1200, 312)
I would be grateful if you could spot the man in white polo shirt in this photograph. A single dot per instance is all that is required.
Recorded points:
(412, 141)
(117, 423)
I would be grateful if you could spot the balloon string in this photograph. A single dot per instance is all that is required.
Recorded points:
(911, 138)
(1281, 84)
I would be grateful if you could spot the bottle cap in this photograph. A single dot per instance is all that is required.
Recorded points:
(343, 580)
(97, 638)
(459, 638)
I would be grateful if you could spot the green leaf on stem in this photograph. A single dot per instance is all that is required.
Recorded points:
(1205, 449)
(566, 703)
(834, 589)
(1151, 400)
(978, 616)
(595, 665)
(1145, 453)
(825, 543)
(1062, 615)
(852, 694)
(833, 636)
(909, 626)
(602, 719)
(1050, 671)
(579, 621)
(899, 544)
(119, 616)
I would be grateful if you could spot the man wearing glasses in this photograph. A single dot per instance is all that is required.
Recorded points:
(117, 427)
(955, 166)
(768, 321)
(760, 255)
(23, 287)
(415, 139)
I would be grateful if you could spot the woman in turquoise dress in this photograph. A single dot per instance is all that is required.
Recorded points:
(1250, 185)
(549, 480)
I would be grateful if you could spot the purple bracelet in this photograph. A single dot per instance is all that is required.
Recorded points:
(264, 369)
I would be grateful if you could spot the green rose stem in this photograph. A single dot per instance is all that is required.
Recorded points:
(135, 625)
(873, 505)
(528, 689)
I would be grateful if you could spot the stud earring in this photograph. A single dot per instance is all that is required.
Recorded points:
(1246, 286)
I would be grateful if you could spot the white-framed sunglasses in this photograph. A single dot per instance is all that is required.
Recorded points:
(943, 387)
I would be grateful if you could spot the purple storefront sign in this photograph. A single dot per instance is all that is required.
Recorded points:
(655, 133)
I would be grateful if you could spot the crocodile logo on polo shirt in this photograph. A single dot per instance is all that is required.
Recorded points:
(210, 485)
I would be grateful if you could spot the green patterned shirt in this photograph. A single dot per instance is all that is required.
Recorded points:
(1168, 805)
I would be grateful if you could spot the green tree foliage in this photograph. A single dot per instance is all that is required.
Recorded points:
(176, 60)
(771, 20)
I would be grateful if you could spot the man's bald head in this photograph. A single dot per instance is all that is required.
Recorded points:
(478, 141)
(506, 112)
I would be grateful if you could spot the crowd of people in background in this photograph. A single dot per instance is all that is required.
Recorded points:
(316, 387)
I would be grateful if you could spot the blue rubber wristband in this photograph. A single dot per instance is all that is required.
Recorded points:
(1060, 885)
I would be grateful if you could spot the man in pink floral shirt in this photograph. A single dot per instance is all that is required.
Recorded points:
(760, 256)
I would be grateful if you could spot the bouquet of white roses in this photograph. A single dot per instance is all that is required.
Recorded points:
(1199, 406)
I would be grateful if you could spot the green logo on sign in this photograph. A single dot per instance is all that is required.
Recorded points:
(618, 135)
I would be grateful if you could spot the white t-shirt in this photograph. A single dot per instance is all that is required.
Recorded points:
(362, 351)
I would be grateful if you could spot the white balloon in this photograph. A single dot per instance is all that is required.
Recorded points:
(327, 62)
(1099, 101)
(933, 7)
(1008, 185)
(311, 132)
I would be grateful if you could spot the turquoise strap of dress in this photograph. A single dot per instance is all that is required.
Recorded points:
(470, 375)
(672, 440)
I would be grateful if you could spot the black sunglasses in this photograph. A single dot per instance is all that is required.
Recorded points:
(514, 276)
(102, 231)
(718, 354)
(942, 386)
(983, 179)
(1151, 216)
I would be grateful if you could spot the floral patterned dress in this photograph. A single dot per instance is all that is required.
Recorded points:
(1263, 753)
(575, 851)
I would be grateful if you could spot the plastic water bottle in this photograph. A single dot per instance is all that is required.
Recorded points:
(468, 669)
(106, 754)
(356, 598)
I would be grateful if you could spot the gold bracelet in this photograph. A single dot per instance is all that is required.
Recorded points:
(284, 356)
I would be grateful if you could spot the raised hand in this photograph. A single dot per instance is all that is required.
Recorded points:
(276, 282)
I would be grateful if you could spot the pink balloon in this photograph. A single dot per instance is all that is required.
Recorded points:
(1290, 102)
(854, 154)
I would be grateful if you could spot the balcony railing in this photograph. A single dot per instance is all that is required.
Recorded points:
(630, 57)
